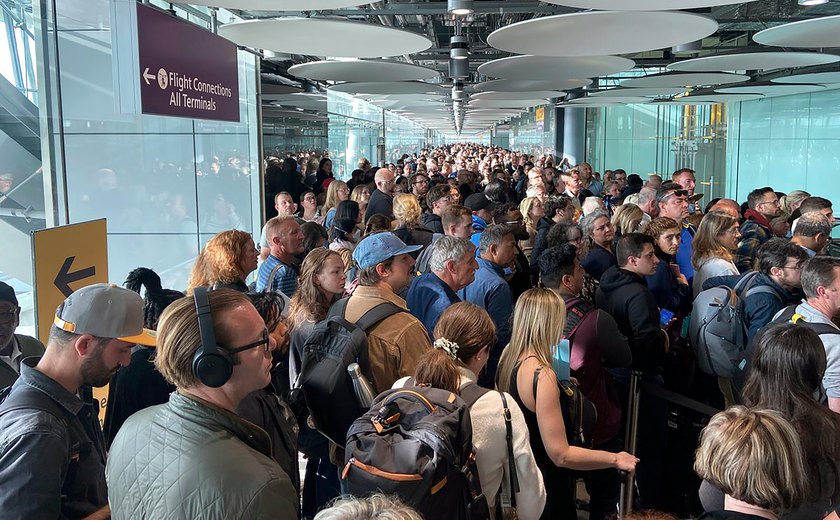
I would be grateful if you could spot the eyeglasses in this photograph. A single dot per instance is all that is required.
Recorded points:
(794, 267)
(771, 202)
(517, 221)
(266, 340)
(425, 181)
(678, 193)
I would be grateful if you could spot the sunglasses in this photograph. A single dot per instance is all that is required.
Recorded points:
(678, 193)
(266, 340)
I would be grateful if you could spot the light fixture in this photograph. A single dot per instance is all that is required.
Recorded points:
(459, 69)
(460, 7)
(812, 2)
(688, 47)
(459, 49)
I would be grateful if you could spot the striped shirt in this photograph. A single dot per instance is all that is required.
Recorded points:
(285, 279)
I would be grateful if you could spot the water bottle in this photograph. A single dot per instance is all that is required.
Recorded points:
(361, 387)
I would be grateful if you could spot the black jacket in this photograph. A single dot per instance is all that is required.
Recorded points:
(432, 222)
(380, 202)
(597, 261)
(540, 244)
(625, 296)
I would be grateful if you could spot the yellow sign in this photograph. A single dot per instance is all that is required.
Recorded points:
(66, 258)
(540, 114)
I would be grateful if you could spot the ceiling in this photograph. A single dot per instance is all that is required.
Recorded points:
(737, 23)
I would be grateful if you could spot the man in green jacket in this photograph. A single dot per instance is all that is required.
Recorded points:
(193, 457)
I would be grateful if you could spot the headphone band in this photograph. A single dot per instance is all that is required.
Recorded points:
(205, 321)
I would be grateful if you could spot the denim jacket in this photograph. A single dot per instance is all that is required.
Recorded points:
(52, 463)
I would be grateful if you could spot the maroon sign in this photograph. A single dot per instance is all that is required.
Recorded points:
(185, 71)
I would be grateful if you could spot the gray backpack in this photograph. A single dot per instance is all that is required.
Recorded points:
(717, 328)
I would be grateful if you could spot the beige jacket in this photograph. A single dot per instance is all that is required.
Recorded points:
(396, 343)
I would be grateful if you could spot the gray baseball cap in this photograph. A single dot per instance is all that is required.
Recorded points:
(105, 311)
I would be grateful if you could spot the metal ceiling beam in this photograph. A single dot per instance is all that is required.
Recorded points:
(430, 8)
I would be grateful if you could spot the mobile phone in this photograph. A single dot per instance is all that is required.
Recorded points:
(665, 317)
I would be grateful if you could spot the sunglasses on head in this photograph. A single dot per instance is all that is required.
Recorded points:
(678, 193)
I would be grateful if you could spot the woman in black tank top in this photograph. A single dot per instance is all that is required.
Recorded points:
(525, 372)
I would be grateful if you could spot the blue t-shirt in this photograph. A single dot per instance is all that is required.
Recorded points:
(285, 279)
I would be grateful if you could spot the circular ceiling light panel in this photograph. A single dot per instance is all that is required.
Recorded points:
(815, 33)
(645, 92)
(709, 99)
(281, 5)
(684, 79)
(502, 103)
(386, 87)
(753, 61)
(644, 5)
(618, 33)
(624, 100)
(527, 85)
(533, 94)
(362, 70)
(814, 77)
(295, 36)
(556, 68)
(770, 89)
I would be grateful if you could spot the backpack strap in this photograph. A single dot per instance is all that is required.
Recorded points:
(577, 309)
(789, 315)
(536, 384)
(745, 283)
(471, 393)
(271, 276)
(376, 314)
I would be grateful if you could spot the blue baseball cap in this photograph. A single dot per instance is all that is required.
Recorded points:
(377, 248)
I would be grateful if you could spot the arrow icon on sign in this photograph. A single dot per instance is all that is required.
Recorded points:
(64, 277)
(147, 76)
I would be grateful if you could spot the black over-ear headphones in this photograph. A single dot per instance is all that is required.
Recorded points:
(212, 365)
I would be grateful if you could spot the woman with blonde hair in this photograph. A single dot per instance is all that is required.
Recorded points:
(792, 201)
(712, 248)
(525, 370)
(407, 214)
(627, 219)
(532, 210)
(225, 262)
(463, 335)
(361, 195)
(755, 458)
(336, 192)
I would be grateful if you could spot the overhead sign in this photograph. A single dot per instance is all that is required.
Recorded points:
(184, 70)
(66, 258)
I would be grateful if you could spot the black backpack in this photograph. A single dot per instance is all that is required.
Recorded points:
(788, 315)
(323, 380)
(579, 414)
(416, 443)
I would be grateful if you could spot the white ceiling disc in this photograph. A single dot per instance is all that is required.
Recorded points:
(502, 103)
(346, 39)
(387, 87)
(280, 5)
(646, 92)
(684, 79)
(644, 5)
(815, 33)
(814, 77)
(625, 100)
(617, 33)
(710, 99)
(526, 85)
(362, 70)
(541, 68)
(534, 94)
(770, 89)
(753, 61)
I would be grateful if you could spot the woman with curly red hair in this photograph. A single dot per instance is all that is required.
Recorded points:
(225, 262)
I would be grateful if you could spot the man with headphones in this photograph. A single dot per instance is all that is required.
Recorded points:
(193, 457)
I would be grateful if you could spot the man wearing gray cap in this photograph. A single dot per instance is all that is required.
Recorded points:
(13, 347)
(396, 343)
(52, 454)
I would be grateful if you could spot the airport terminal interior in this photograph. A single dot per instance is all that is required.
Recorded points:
(626, 166)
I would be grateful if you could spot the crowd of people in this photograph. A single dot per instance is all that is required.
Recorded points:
(552, 304)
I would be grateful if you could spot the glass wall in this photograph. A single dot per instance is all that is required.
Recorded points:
(660, 138)
(165, 184)
(534, 132)
(787, 142)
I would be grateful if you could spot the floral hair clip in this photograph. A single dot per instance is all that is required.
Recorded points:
(450, 347)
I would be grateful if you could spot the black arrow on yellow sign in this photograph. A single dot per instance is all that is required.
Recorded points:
(64, 277)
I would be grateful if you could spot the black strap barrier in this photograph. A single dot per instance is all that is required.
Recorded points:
(679, 399)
